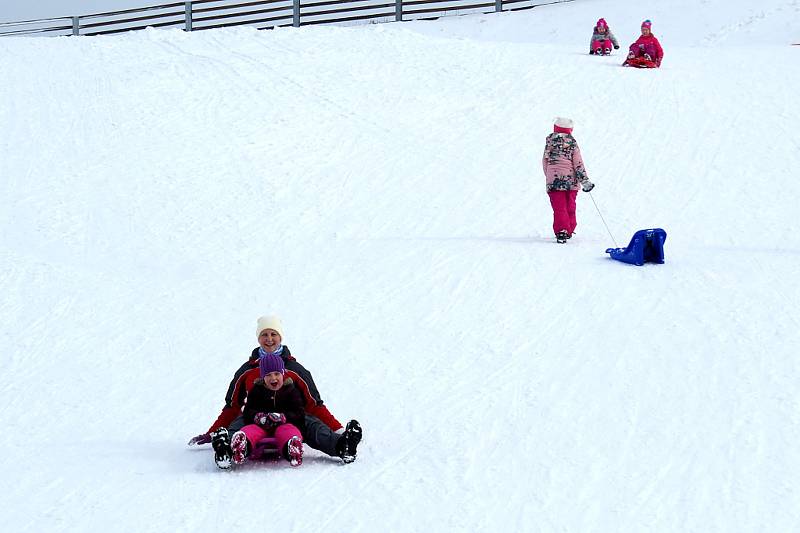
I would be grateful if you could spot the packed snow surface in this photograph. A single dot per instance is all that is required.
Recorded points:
(380, 188)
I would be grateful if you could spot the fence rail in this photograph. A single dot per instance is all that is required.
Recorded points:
(197, 15)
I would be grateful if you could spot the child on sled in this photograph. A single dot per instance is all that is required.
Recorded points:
(273, 411)
(602, 39)
(646, 46)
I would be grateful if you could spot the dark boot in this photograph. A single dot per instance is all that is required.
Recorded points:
(348, 442)
(220, 441)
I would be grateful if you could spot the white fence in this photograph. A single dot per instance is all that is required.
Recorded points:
(263, 14)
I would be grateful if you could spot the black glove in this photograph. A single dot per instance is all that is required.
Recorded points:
(587, 186)
(616, 47)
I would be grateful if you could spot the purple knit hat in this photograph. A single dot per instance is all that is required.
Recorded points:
(270, 363)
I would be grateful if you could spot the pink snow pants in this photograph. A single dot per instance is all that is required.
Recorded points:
(282, 434)
(563, 203)
(599, 45)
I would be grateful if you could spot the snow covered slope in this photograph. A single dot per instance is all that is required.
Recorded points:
(380, 187)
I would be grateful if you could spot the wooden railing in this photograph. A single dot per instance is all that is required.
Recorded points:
(262, 14)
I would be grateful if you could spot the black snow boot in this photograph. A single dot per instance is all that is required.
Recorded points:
(562, 236)
(221, 442)
(348, 442)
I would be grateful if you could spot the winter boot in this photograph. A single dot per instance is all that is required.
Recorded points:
(607, 51)
(222, 448)
(294, 449)
(631, 55)
(239, 447)
(561, 236)
(647, 57)
(348, 442)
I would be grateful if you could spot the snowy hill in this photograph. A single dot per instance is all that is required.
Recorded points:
(380, 187)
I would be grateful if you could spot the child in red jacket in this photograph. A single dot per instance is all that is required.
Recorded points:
(647, 46)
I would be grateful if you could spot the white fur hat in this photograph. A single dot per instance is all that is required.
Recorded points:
(562, 122)
(269, 322)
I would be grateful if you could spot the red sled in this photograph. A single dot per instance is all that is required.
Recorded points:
(265, 449)
(639, 62)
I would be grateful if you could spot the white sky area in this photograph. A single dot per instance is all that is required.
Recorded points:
(380, 187)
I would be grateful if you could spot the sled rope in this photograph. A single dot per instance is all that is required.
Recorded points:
(604, 220)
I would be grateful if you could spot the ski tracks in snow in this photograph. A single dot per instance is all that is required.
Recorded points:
(383, 192)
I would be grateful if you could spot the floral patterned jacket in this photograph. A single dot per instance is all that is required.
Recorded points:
(562, 163)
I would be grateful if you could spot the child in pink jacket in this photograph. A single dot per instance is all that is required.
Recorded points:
(563, 170)
(647, 46)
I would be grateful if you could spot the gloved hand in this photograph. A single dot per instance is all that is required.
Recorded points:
(203, 438)
(269, 420)
(647, 57)
(616, 47)
(587, 186)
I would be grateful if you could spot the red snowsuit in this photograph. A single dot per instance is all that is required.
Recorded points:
(648, 44)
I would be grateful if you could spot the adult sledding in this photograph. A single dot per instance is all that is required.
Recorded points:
(272, 407)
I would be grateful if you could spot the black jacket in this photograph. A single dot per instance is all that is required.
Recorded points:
(287, 400)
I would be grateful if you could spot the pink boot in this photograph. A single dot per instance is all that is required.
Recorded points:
(295, 449)
(239, 447)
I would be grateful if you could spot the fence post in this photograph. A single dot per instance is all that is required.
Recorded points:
(398, 11)
(498, 5)
(188, 16)
(76, 26)
(296, 14)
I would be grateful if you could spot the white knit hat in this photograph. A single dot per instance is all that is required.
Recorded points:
(562, 122)
(269, 322)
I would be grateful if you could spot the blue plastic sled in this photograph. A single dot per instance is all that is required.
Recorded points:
(646, 246)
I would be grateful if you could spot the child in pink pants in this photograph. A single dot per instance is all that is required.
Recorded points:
(602, 39)
(274, 410)
(563, 170)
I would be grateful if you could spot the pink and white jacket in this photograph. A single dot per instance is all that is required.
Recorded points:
(562, 163)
